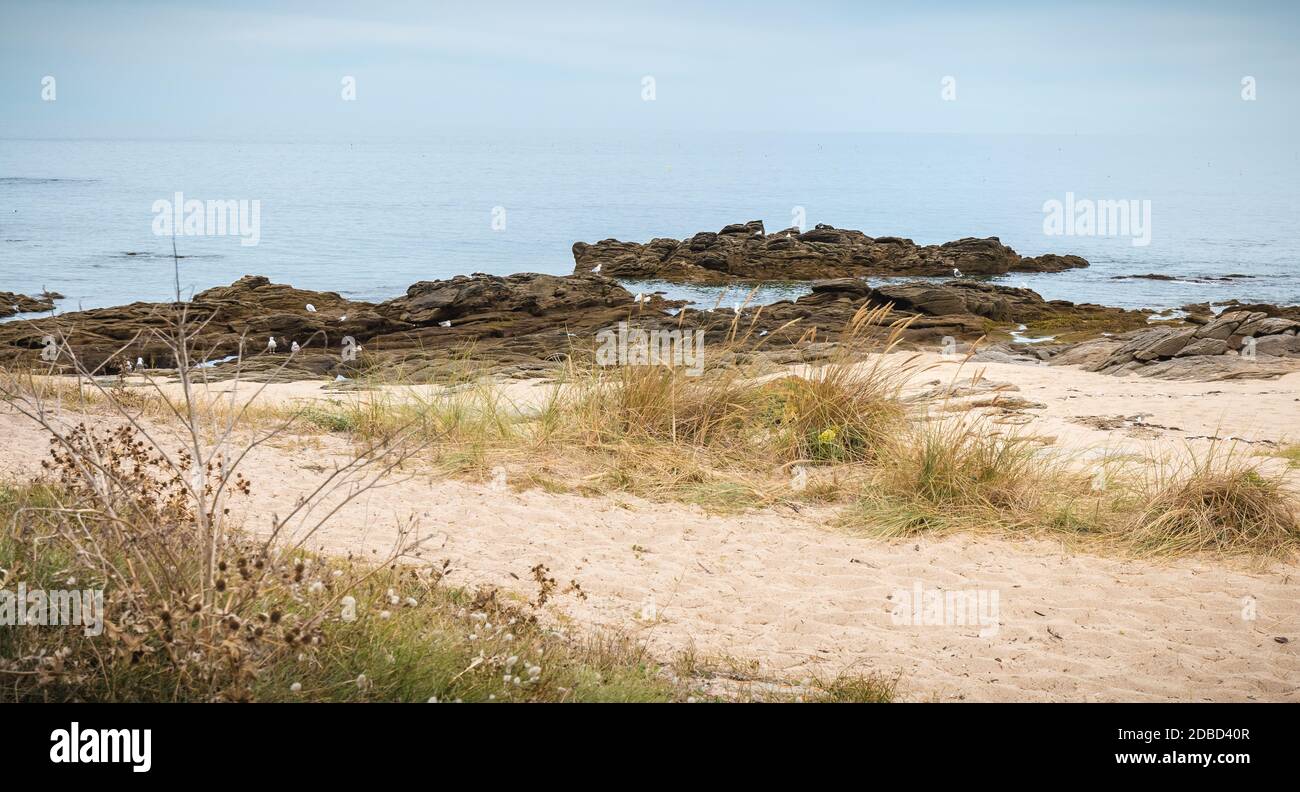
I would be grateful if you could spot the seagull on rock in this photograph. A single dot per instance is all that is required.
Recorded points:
(295, 348)
(596, 268)
(956, 273)
(139, 362)
(445, 323)
(270, 344)
(311, 308)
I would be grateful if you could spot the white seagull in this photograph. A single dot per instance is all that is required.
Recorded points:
(596, 268)
(956, 273)
(736, 307)
(311, 308)
(639, 298)
(270, 344)
(295, 348)
(445, 323)
(139, 362)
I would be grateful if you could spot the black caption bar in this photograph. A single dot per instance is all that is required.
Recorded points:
(303, 742)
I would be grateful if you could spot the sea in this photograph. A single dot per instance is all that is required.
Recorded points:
(368, 218)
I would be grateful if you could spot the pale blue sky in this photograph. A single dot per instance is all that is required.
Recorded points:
(272, 70)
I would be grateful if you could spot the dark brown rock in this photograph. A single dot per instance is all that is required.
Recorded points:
(12, 304)
(745, 252)
(521, 321)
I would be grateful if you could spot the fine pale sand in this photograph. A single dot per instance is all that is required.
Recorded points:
(779, 589)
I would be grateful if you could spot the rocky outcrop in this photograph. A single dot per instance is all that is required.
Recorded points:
(12, 304)
(1233, 345)
(958, 309)
(524, 325)
(746, 252)
(517, 323)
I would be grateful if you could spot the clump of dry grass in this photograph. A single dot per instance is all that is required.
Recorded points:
(1214, 500)
(958, 472)
(714, 438)
(964, 464)
(848, 688)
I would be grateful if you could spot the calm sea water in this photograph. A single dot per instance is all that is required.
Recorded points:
(367, 219)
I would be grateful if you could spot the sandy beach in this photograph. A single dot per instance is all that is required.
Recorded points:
(784, 594)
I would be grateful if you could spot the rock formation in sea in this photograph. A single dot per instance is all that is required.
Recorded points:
(744, 251)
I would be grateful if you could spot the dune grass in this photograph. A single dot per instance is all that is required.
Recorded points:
(1217, 500)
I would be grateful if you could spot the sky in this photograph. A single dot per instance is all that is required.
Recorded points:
(269, 70)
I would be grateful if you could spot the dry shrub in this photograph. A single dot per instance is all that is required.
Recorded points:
(142, 513)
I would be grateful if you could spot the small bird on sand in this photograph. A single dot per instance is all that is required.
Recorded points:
(311, 308)
(270, 344)
(295, 348)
